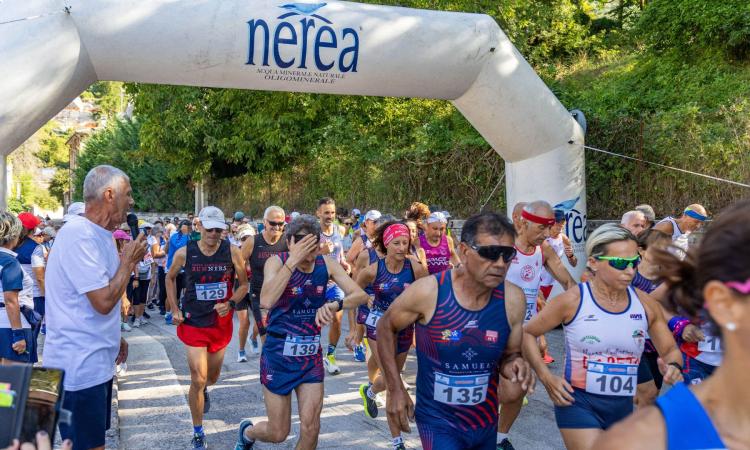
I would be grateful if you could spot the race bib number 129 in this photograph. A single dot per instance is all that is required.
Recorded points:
(209, 292)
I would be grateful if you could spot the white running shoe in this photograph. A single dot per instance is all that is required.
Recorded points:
(329, 361)
(136, 323)
(144, 320)
(407, 386)
(125, 327)
(380, 399)
(121, 369)
(241, 356)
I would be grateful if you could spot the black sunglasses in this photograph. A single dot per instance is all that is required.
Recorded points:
(495, 252)
(214, 230)
(299, 237)
(348, 224)
(275, 224)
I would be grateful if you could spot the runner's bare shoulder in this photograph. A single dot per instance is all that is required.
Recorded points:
(643, 430)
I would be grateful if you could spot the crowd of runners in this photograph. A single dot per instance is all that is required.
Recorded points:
(659, 321)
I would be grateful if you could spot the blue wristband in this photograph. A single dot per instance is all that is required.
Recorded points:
(674, 321)
(18, 336)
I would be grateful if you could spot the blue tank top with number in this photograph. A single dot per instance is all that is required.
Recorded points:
(294, 313)
(688, 426)
(363, 309)
(457, 361)
(387, 286)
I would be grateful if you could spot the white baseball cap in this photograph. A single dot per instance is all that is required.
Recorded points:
(245, 230)
(147, 225)
(75, 209)
(212, 217)
(437, 217)
(373, 215)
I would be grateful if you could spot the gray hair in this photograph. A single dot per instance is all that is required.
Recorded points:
(10, 228)
(273, 209)
(538, 207)
(303, 222)
(158, 228)
(632, 215)
(99, 179)
(596, 245)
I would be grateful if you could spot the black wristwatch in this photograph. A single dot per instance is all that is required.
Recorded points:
(341, 304)
(232, 304)
(676, 365)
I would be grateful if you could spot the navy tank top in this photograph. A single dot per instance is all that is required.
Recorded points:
(208, 280)
(294, 313)
(262, 250)
(387, 286)
(688, 425)
(458, 353)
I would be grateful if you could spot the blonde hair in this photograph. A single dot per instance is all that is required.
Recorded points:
(10, 228)
(596, 244)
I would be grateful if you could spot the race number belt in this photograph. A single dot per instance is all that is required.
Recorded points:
(373, 317)
(211, 292)
(301, 345)
(611, 379)
(463, 390)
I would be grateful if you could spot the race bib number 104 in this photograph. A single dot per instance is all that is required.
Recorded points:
(611, 379)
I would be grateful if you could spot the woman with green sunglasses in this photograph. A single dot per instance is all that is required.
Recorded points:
(606, 322)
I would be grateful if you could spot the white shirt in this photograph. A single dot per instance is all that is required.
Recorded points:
(80, 340)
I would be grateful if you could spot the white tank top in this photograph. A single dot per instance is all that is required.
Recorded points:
(679, 239)
(603, 349)
(558, 245)
(711, 349)
(525, 271)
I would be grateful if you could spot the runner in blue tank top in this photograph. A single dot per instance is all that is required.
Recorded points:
(469, 332)
(712, 284)
(293, 291)
(389, 277)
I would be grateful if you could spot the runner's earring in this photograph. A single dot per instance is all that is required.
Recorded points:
(730, 326)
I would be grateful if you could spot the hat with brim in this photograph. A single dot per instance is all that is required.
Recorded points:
(121, 235)
(212, 217)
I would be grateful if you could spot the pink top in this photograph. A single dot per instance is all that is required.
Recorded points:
(438, 258)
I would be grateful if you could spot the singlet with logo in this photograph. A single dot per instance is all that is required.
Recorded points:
(602, 348)
(438, 258)
(679, 239)
(458, 352)
(338, 243)
(262, 250)
(294, 313)
(387, 286)
(525, 271)
(687, 424)
(558, 245)
(30, 255)
(647, 286)
(208, 280)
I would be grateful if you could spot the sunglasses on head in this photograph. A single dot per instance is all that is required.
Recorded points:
(214, 230)
(621, 263)
(495, 252)
(275, 224)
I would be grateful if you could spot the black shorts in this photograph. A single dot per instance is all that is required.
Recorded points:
(91, 411)
(648, 369)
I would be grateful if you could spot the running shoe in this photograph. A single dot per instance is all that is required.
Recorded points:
(547, 358)
(44, 329)
(151, 305)
(146, 315)
(505, 445)
(136, 323)
(206, 401)
(199, 441)
(330, 364)
(121, 369)
(241, 357)
(125, 327)
(359, 353)
(371, 408)
(407, 386)
(254, 344)
(162, 311)
(144, 320)
(168, 318)
(242, 443)
(525, 400)
(380, 399)
(400, 447)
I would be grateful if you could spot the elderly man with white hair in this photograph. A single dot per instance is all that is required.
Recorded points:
(85, 281)
(635, 221)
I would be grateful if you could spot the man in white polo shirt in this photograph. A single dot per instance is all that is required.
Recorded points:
(85, 281)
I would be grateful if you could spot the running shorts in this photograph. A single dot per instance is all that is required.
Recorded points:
(695, 372)
(91, 412)
(404, 339)
(215, 338)
(362, 312)
(281, 374)
(440, 437)
(593, 410)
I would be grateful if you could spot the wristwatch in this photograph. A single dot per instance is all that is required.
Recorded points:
(340, 303)
(232, 304)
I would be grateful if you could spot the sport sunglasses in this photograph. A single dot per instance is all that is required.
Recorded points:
(495, 252)
(621, 263)
(275, 224)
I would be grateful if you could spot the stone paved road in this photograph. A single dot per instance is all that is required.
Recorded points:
(153, 411)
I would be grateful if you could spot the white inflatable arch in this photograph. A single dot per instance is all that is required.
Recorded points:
(51, 50)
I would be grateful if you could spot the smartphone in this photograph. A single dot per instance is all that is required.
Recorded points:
(43, 403)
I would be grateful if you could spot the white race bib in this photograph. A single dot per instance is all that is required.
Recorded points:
(211, 292)
(301, 345)
(373, 317)
(465, 390)
(612, 379)
(711, 344)
(530, 311)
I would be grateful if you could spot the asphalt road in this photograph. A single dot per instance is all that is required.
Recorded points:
(153, 410)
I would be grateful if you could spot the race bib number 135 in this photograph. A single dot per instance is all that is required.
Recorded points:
(465, 390)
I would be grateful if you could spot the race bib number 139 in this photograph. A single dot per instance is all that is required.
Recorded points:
(301, 345)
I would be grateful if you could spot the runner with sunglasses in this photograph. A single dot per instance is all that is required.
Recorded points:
(256, 250)
(534, 254)
(707, 286)
(294, 292)
(204, 319)
(469, 330)
(605, 322)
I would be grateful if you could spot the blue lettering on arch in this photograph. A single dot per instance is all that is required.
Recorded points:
(252, 26)
(278, 41)
(319, 43)
(354, 50)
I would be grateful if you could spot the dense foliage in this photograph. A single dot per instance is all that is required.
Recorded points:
(667, 81)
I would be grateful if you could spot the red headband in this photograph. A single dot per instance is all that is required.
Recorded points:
(537, 219)
(394, 231)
